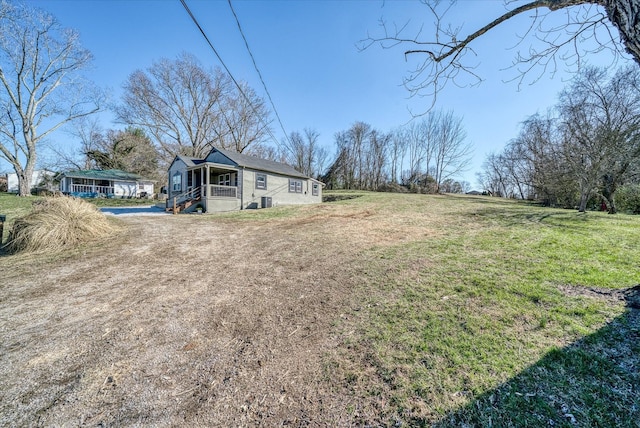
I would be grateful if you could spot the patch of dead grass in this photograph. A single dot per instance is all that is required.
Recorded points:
(182, 322)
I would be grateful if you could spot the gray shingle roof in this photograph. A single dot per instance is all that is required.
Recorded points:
(190, 161)
(260, 164)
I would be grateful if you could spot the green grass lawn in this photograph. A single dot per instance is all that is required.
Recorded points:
(12, 207)
(499, 318)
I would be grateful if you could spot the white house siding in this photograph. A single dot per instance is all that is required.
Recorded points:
(36, 178)
(124, 189)
(145, 186)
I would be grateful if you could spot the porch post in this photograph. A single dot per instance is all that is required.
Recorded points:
(206, 187)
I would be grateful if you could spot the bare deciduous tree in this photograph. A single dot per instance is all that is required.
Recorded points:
(397, 152)
(444, 150)
(584, 152)
(40, 85)
(88, 131)
(178, 103)
(361, 159)
(246, 119)
(445, 54)
(188, 109)
(304, 152)
(600, 118)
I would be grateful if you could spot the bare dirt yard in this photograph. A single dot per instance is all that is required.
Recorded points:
(184, 320)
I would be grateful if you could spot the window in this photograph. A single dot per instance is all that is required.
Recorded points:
(261, 181)
(84, 181)
(176, 181)
(315, 191)
(224, 180)
(295, 186)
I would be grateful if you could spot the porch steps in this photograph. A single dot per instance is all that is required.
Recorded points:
(183, 201)
(183, 205)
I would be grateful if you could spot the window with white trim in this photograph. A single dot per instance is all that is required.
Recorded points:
(176, 182)
(315, 190)
(295, 186)
(261, 181)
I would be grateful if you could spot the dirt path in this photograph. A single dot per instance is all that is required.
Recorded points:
(186, 321)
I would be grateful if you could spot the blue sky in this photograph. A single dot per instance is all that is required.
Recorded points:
(307, 53)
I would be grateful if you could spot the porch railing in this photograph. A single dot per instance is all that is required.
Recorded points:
(183, 198)
(88, 188)
(218, 191)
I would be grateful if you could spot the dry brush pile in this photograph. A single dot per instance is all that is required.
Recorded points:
(58, 223)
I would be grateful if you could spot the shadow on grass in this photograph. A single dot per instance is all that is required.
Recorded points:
(594, 382)
(553, 217)
(334, 197)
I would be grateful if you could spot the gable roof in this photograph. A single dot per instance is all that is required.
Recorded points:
(105, 174)
(188, 160)
(253, 162)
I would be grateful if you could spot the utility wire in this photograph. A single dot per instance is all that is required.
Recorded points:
(195, 21)
(257, 70)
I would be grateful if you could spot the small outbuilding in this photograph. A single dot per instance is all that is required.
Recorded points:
(108, 183)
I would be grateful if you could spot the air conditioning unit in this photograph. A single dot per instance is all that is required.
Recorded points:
(266, 202)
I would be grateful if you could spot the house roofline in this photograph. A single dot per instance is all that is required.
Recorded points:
(193, 163)
(113, 177)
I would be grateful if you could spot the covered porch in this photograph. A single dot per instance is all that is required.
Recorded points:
(86, 187)
(216, 185)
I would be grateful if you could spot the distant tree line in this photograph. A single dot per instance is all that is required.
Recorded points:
(583, 153)
(423, 156)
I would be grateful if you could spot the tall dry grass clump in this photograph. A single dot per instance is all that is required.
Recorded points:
(58, 223)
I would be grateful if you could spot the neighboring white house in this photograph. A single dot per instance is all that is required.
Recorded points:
(39, 176)
(230, 181)
(108, 183)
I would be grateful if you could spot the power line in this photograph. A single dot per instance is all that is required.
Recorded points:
(257, 70)
(195, 21)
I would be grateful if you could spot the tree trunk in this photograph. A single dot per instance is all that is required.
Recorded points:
(584, 198)
(24, 184)
(625, 16)
(25, 175)
(608, 191)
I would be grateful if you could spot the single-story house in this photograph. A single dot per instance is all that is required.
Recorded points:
(108, 183)
(39, 178)
(230, 181)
